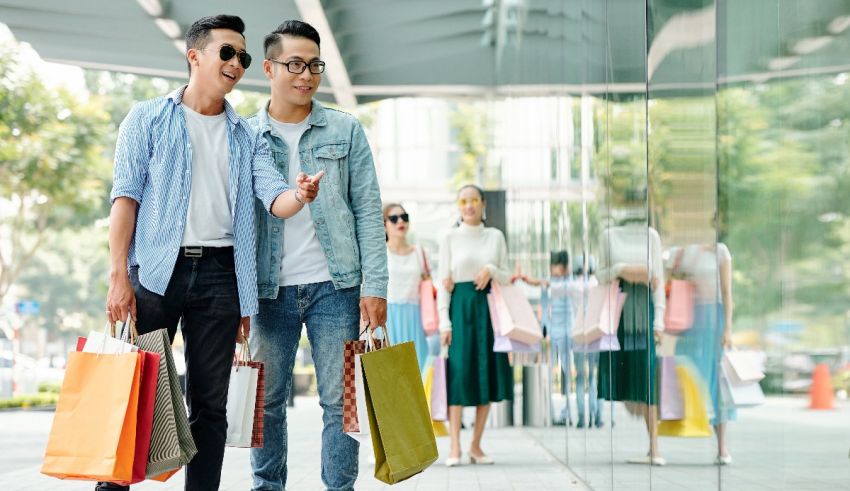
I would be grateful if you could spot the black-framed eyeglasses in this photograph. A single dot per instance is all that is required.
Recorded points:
(394, 218)
(227, 52)
(298, 66)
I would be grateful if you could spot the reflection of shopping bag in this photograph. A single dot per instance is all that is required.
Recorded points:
(672, 407)
(504, 344)
(609, 342)
(171, 445)
(515, 317)
(740, 368)
(694, 422)
(679, 314)
(399, 420)
(739, 394)
(601, 315)
(428, 300)
(94, 428)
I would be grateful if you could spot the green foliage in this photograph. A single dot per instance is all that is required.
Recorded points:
(30, 400)
(472, 127)
(53, 172)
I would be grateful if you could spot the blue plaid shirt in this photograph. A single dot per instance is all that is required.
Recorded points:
(153, 166)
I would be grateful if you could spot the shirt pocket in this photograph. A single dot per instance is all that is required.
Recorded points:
(332, 157)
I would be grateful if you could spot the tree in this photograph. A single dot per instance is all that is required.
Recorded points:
(53, 170)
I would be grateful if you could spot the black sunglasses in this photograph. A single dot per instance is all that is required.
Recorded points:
(227, 52)
(394, 218)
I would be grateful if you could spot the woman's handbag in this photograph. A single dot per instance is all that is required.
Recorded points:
(428, 299)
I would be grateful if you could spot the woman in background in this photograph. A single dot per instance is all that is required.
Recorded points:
(471, 256)
(406, 266)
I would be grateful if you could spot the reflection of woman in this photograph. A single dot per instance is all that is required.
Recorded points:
(709, 268)
(472, 255)
(586, 363)
(632, 254)
(406, 267)
(558, 314)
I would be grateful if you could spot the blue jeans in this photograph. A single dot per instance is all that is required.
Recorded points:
(562, 350)
(587, 365)
(332, 317)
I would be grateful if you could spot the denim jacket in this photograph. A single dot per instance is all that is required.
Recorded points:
(347, 213)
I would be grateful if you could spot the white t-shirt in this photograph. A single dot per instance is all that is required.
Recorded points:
(209, 219)
(405, 274)
(304, 260)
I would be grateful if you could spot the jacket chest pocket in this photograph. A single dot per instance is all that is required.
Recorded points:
(333, 159)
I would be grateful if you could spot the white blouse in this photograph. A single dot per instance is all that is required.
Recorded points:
(464, 251)
(701, 266)
(634, 244)
(405, 275)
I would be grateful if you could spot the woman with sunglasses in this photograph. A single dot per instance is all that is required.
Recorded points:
(406, 265)
(471, 256)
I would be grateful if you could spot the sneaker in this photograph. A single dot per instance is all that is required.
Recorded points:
(580, 423)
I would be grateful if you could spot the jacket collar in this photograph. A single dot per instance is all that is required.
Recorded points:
(317, 116)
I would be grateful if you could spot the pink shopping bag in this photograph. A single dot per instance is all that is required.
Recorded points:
(679, 315)
(516, 319)
(428, 300)
(602, 315)
(439, 394)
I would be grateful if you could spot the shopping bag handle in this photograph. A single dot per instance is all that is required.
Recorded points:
(371, 340)
(243, 355)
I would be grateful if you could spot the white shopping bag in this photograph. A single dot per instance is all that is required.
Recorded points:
(739, 394)
(740, 367)
(363, 435)
(241, 400)
(102, 342)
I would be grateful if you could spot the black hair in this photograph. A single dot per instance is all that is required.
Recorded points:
(272, 45)
(387, 208)
(559, 258)
(480, 193)
(199, 32)
(473, 186)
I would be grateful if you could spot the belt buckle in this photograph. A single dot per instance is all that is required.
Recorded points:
(193, 251)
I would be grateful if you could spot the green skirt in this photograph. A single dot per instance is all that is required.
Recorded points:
(630, 374)
(475, 375)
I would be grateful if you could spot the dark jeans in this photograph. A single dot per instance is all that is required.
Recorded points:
(203, 297)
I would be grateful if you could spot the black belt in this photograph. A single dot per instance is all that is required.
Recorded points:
(203, 251)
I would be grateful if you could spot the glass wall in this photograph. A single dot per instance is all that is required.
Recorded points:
(694, 154)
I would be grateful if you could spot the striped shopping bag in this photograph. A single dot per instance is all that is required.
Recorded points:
(171, 445)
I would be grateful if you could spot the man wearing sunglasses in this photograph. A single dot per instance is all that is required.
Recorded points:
(326, 267)
(181, 230)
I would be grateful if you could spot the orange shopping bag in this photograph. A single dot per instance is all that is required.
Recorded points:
(94, 428)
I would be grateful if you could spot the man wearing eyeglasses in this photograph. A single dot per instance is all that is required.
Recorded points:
(181, 230)
(326, 267)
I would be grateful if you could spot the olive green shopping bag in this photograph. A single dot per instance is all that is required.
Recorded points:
(399, 420)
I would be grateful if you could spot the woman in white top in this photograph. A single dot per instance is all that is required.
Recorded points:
(631, 253)
(406, 265)
(709, 268)
(471, 256)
